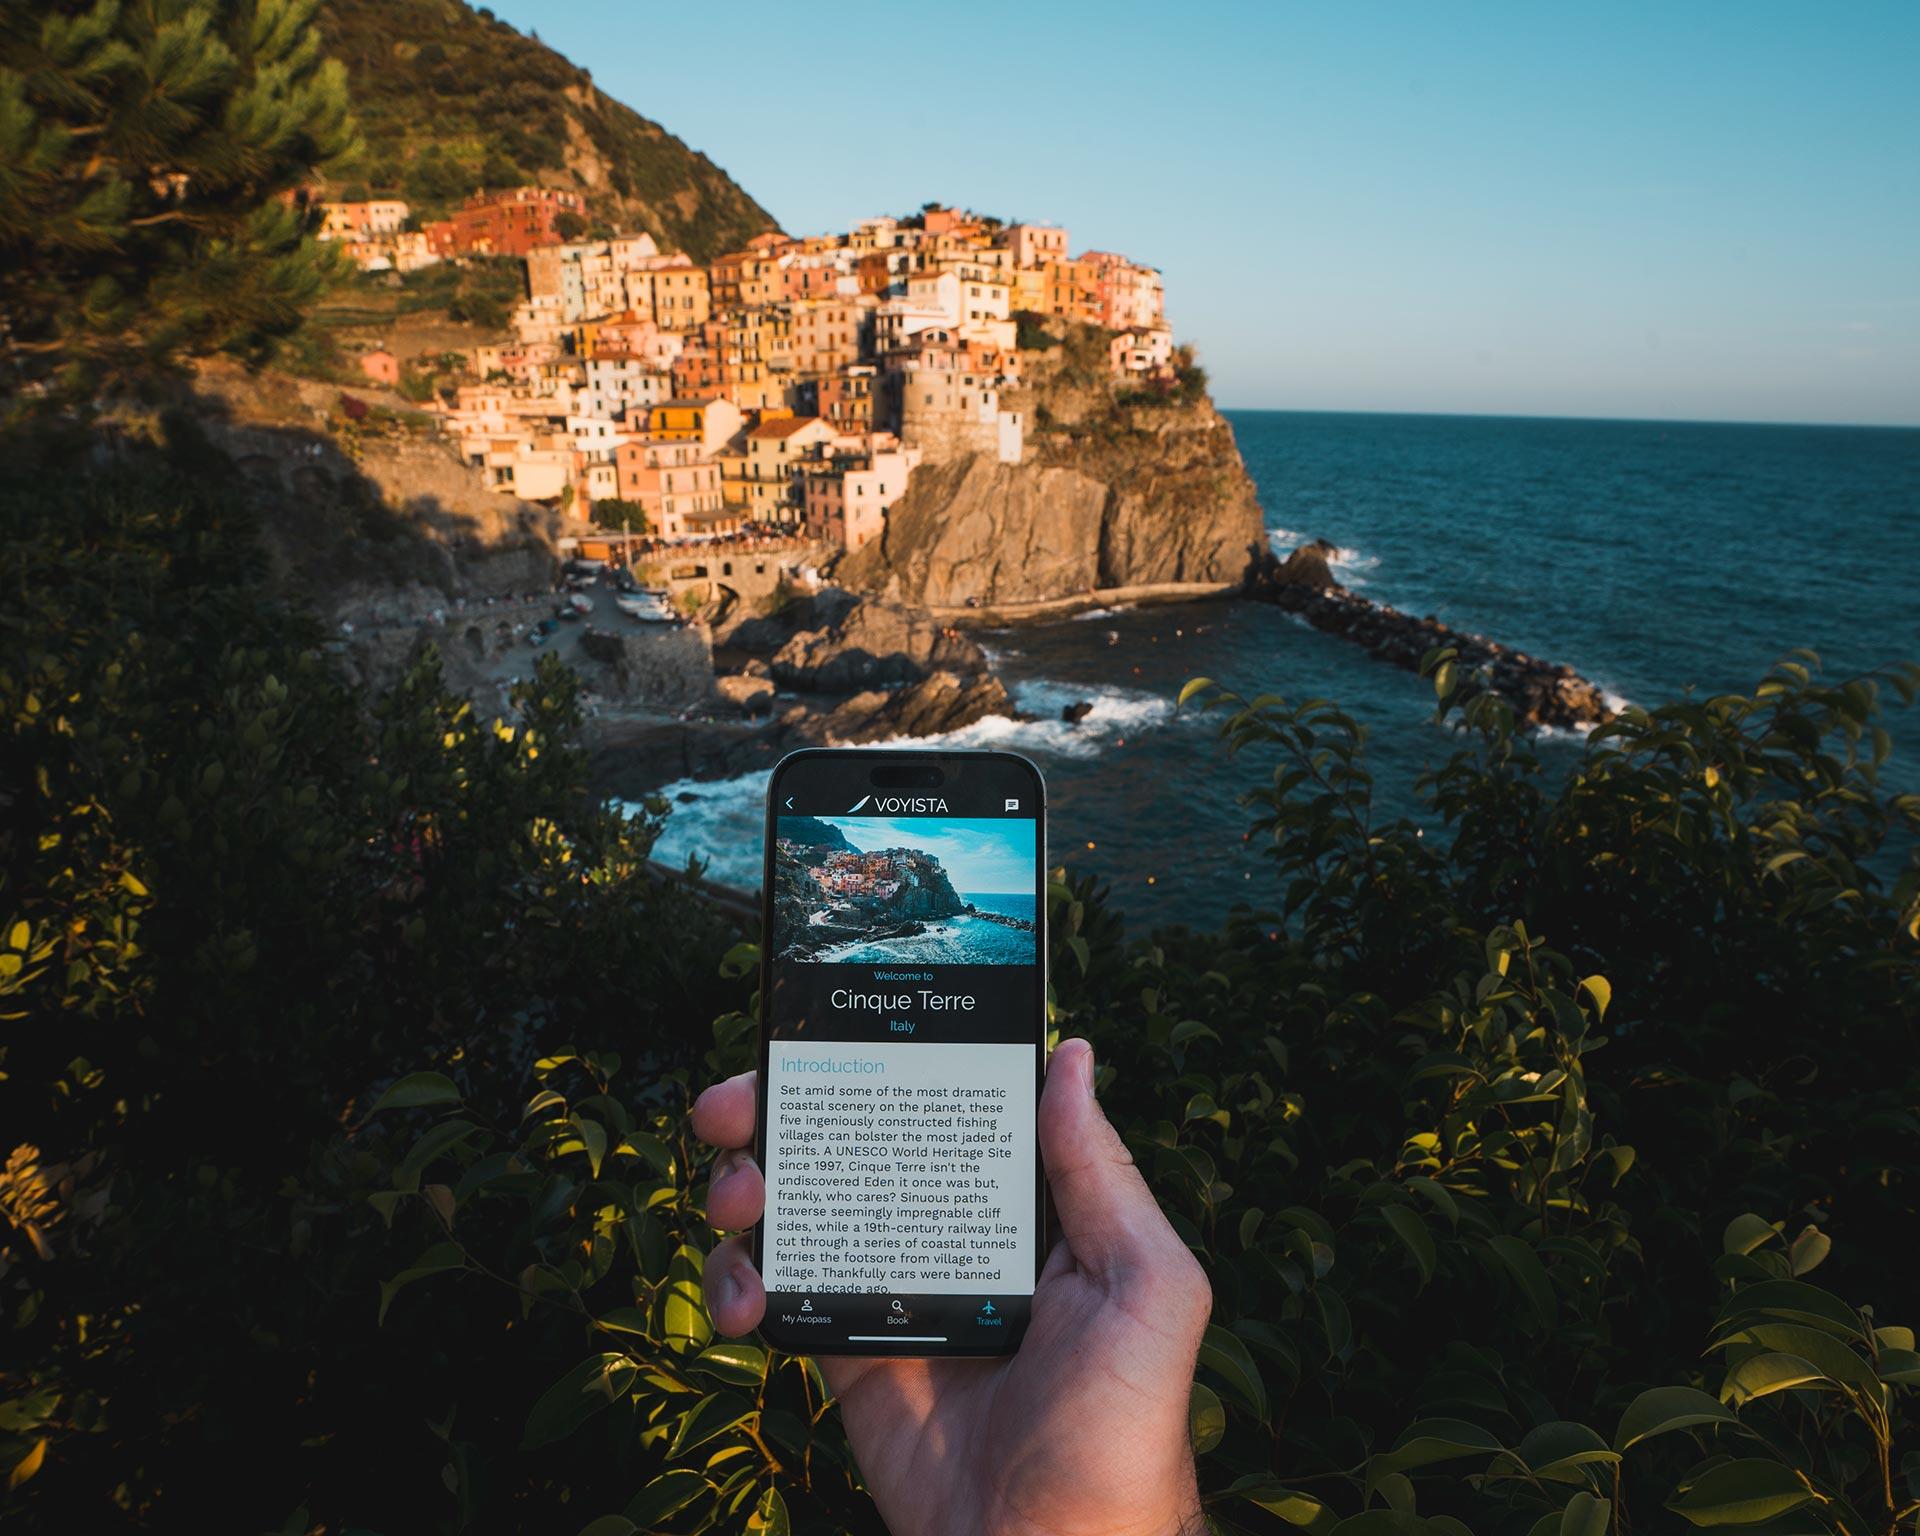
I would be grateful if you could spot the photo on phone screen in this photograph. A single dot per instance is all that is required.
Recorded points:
(902, 1041)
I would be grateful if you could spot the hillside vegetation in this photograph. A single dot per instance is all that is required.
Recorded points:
(450, 99)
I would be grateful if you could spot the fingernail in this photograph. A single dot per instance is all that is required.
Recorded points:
(729, 1288)
(1086, 1070)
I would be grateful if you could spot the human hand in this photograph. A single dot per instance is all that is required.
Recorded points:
(1082, 1432)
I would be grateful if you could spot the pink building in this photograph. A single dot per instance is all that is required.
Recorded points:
(676, 484)
(1129, 295)
(846, 499)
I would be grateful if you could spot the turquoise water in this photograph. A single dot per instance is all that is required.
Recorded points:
(1652, 557)
(956, 940)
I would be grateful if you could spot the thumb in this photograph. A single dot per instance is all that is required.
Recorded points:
(1109, 1217)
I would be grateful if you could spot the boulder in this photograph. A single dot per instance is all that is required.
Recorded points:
(875, 642)
(750, 695)
(1077, 711)
(931, 707)
(1309, 566)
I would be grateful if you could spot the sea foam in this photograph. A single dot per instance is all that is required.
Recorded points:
(719, 821)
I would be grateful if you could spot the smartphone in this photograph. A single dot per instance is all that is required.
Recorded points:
(902, 1044)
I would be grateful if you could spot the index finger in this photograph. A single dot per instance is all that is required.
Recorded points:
(723, 1116)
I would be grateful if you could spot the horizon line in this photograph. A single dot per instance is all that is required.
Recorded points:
(1644, 421)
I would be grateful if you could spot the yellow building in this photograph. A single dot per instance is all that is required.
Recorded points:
(710, 420)
(682, 298)
(1073, 291)
(1028, 294)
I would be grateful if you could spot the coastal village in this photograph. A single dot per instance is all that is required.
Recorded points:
(737, 434)
(786, 390)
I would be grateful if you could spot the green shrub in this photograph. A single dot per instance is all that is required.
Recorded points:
(234, 892)
(349, 1046)
(1463, 1257)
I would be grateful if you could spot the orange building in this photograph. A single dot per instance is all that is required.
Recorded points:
(507, 223)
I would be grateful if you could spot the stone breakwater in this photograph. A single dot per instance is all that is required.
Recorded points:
(1540, 692)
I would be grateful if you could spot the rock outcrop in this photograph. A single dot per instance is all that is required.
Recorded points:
(931, 707)
(1145, 495)
(874, 642)
(1540, 692)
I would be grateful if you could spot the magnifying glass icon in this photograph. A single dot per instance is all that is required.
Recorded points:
(898, 1308)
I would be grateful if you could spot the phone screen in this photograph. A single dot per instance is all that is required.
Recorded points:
(903, 1026)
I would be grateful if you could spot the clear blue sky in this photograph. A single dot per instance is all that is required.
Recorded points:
(1705, 210)
(980, 855)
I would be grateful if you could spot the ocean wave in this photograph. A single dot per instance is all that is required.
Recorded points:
(1345, 563)
(720, 821)
(1101, 613)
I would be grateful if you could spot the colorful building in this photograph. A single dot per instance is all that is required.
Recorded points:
(505, 223)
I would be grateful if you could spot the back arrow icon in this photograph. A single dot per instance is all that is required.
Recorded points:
(789, 802)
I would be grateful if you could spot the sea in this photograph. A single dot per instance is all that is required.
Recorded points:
(956, 940)
(1656, 558)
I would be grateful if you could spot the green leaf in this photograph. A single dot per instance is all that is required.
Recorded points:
(1660, 1409)
(595, 1383)
(1437, 1195)
(1557, 1451)
(438, 1259)
(1301, 1509)
(1529, 1274)
(1382, 1522)
(1206, 1419)
(687, 1324)
(1793, 1301)
(1224, 1353)
(666, 1495)
(1831, 1357)
(1808, 1250)
(741, 1365)
(1397, 1489)
(593, 1136)
(769, 1517)
(635, 1320)
(1430, 1440)
(1412, 1231)
(1586, 1515)
(610, 1525)
(1600, 990)
(1746, 1233)
(1741, 1493)
(1193, 686)
(435, 1142)
(1901, 1365)
(1763, 1375)
(417, 1090)
(709, 1417)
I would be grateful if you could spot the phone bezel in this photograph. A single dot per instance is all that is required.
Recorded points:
(770, 1332)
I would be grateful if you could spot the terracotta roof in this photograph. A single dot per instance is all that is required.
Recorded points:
(783, 426)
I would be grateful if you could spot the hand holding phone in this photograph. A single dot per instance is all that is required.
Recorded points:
(903, 1020)
(1085, 1427)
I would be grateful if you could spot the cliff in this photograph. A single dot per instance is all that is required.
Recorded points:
(925, 891)
(1120, 486)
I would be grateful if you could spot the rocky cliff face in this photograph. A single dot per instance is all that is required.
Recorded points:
(872, 643)
(1116, 490)
(925, 891)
